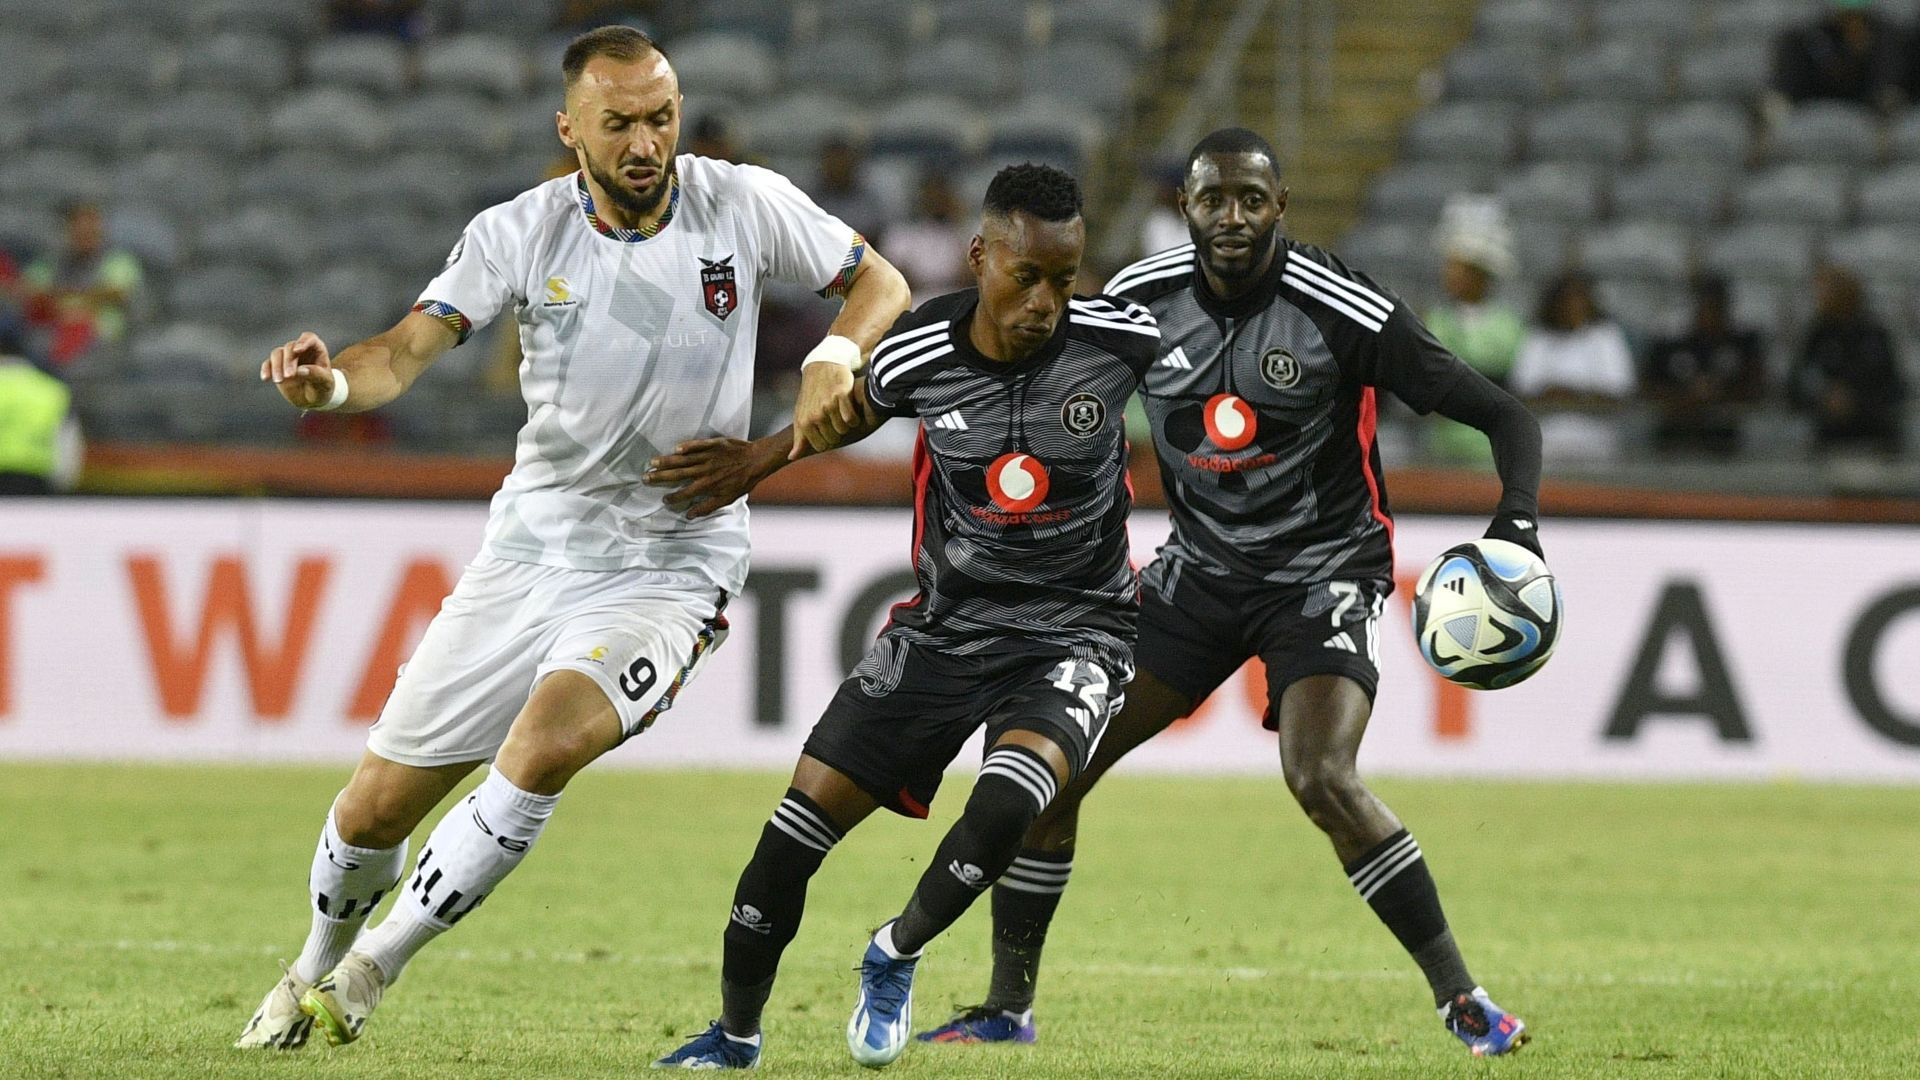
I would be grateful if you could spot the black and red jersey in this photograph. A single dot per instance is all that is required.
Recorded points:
(1020, 475)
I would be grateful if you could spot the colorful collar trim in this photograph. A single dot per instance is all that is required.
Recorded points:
(628, 236)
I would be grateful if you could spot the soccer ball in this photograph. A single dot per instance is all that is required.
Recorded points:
(1486, 614)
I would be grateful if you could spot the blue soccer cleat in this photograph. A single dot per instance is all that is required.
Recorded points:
(1486, 1029)
(714, 1049)
(877, 1031)
(981, 1024)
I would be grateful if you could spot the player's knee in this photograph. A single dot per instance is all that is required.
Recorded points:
(374, 819)
(1327, 791)
(1001, 810)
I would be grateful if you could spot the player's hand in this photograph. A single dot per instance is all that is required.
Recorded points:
(1517, 529)
(707, 474)
(825, 411)
(301, 370)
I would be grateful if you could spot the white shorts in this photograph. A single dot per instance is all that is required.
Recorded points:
(640, 634)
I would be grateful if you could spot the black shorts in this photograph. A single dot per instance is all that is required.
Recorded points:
(1196, 629)
(902, 716)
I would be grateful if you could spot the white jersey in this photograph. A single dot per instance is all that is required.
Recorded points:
(633, 341)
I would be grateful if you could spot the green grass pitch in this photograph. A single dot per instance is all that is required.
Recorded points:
(1642, 931)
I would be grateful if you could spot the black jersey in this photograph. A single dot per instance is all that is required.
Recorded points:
(1263, 412)
(1020, 476)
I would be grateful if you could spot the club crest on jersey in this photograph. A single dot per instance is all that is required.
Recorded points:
(1280, 369)
(1082, 415)
(718, 287)
(1231, 423)
(1017, 482)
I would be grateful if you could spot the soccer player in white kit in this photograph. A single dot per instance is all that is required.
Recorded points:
(636, 285)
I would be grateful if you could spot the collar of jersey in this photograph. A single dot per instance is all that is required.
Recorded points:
(959, 332)
(626, 236)
(1247, 303)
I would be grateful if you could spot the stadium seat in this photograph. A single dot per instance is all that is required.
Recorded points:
(51, 177)
(1706, 131)
(29, 66)
(1043, 128)
(1645, 308)
(1474, 132)
(798, 122)
(1661, 21)
(237, 63)
(970, 68)
(484, 63)
(1094, 73)
(329, 121)
(1625, 71)
(375, 63)
(518, 17)
(1826, 132)
(1808, 194)
(93, 122)
(1415, 193)
(730, 64)
(1007, 24)
(1903, 138)
(462, 122)
(1775, 252)
(15, 129)
(1691, 193)
(1731, 70)
(1538, 21)
(1563, 191)
(1892, 197)
(769, 20)
(897, 20)
(1516, 73)
(231, 125)
(861, 65)
(356, 299)
(1540, 248)
(926, 126)
(185, 350)
(148, 232)
(1602, 132)
(278, 235)
(1883, 253)
(432, 183)
(58, 18)
(126, 60)
(311, 178)
(188, 185)
(1131, 24)
(1637, 251)
(297, 20)
(1757, 19)
(235, 295)
(26, 230)
(1390, 251)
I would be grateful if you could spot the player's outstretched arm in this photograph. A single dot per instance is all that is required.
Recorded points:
(825, 412)
(709, 474)
(1514, 435)
(375, 371)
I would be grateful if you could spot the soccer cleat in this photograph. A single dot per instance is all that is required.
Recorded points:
(980, 1024)
(1482, 1025)
(877, 1031)
(279, 1023)
(341, 1002)
(714, 1049)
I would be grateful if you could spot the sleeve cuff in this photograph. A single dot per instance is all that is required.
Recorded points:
(849, 266)
(447, 313)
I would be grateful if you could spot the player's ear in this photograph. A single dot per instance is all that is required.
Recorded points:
(976, 254)
(563, 124)
(1280, 202)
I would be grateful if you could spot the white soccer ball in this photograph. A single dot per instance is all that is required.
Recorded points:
(1486, 614)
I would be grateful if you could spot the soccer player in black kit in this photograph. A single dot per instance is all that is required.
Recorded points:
(1263, 404)
(1025, 617)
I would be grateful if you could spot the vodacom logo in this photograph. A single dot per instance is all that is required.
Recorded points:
(1230, 422)
(1017, 482)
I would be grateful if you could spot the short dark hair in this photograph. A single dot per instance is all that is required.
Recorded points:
(622, 43)
(1047, 193)
(1233, 140)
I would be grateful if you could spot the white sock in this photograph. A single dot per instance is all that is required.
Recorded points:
(473, 848)
(345, 885)
(884, 938)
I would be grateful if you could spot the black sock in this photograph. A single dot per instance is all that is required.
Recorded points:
(1014, 786)
(1394, 880)
(1024, 901)
(767, 905)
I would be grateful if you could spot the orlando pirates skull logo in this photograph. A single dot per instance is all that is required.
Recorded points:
(1082, 415)
(718, 286)
(1279, 369)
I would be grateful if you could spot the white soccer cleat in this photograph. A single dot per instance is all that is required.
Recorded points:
(279, 1023)
(341, 1002)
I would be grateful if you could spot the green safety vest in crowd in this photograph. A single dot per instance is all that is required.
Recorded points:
(33, 405)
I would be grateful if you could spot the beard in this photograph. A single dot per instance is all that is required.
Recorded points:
(1238, 271)
(637, 204)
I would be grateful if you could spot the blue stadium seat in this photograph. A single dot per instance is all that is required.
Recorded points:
(1603, 132)
(1709, 131)
(1808, 194)
(969, 68)
(1691, 193)
(1518, 73)
(1891, 197)
(485, 63)
(1628, 71)
(862, 65)
(375, 63)
(1829, 132)
(1474, 132)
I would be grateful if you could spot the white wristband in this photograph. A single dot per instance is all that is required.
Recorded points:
(834, 349)
(339, 395)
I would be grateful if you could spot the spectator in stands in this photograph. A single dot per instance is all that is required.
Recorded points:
(1847, 373)
(844, 191)
(1476, 250)
(1704, 379)
(40, 446)
(395, 18)
(1576, 371)
(930, 247)
(80, 296)
(1850, 53)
